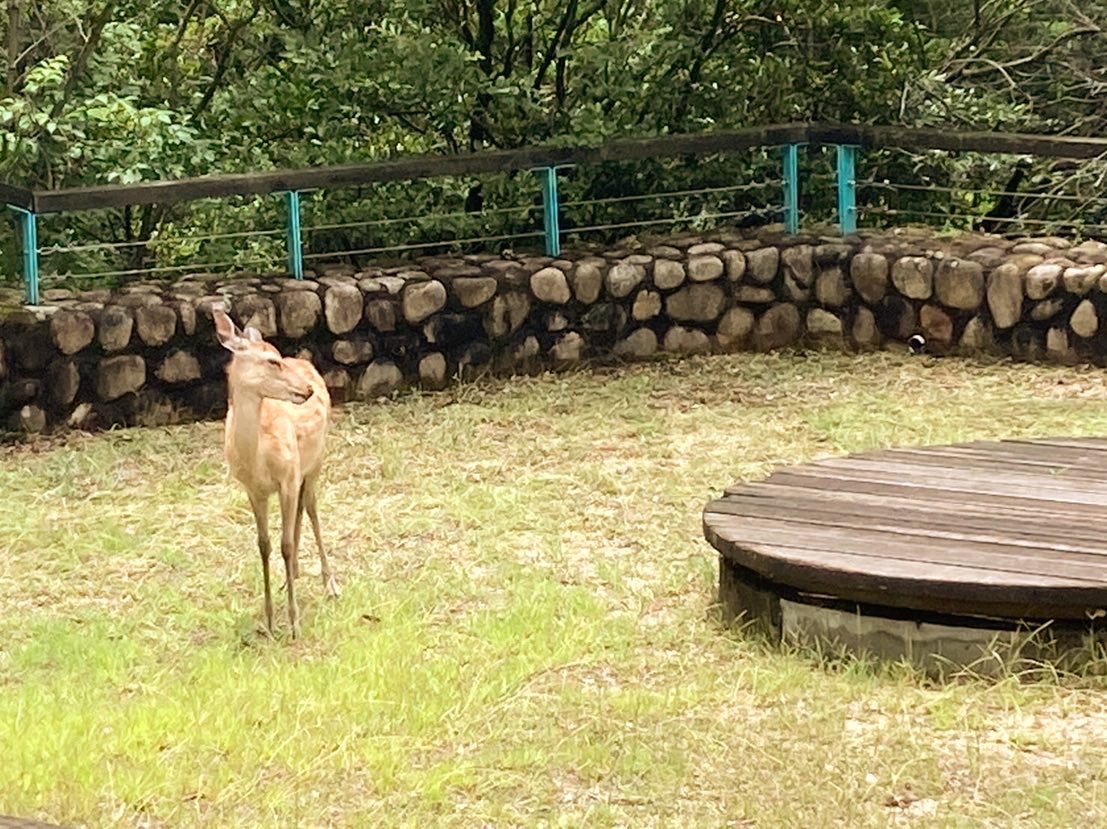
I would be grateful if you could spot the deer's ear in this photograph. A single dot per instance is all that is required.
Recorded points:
(252, 334)
(225, 330)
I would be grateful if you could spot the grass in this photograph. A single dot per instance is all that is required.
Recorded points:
(527, 634)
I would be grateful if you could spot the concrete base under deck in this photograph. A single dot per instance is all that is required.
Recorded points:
(938, 645)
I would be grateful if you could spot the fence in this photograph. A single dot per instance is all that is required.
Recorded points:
(855, 174)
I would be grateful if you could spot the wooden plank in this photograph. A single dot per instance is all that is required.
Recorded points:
(1024, 466)
(410, 169)
(1002, 475)
(973, 460)
(904, 138)
(1039, 451)
(1048, 514)
(960, 591)
(863, 486)
(710, 143)
(1036, 449)
(1096, 443)
(1093, 494)
(1006, 564)
(260, 184)
(842, 568)
(1001, 524)
(967, 536)
(962, 488)
(958, 455)
(1084, 457)
(16, 196)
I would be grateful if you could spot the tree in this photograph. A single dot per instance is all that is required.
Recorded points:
(122, 91)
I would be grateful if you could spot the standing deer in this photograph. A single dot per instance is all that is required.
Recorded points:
(277, 416)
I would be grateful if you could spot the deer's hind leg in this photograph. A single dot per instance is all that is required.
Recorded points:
(289, 506)
(299, 525)
(308, 501)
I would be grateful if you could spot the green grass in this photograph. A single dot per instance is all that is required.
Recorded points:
(527, 634)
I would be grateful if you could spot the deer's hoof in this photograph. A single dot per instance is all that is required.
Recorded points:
(331, 587)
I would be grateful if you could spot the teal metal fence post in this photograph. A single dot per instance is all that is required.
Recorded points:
(550, 210)
(28, 223)
(847, 189)
(791, 188)
(295, 238)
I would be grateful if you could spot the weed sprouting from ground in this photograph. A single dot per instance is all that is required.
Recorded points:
(527, 633)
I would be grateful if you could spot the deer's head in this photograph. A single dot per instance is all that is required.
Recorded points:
(257, 367)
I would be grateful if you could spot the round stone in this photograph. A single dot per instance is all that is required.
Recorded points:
(869, 273)
(704, 268)
(668, 274)
(913, 277)
(550, 285)
(624, 278)
(421, 299)
(342, 307)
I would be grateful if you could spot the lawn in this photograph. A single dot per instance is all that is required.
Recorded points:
(526, 635)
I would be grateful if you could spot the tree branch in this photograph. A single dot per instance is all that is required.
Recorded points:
(80, 63)
(223, 60)
(551, 48)
(695, 72)
(1044, 51)
(566, 28)
(182, 27)
(509, 51)
(13, 46)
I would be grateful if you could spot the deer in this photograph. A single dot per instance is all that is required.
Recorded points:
(278, 412)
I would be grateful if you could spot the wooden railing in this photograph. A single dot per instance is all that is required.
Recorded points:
(429, 166)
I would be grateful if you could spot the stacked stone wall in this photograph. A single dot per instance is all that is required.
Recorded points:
(147, 353)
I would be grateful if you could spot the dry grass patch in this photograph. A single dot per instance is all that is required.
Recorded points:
(527, 634)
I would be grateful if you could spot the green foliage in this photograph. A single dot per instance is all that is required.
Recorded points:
(124, 91)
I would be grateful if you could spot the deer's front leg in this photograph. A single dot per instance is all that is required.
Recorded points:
(260, 507)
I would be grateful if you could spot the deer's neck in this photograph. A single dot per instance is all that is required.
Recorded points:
(243, 428)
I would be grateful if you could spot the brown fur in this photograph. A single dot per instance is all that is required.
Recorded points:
(275, 439)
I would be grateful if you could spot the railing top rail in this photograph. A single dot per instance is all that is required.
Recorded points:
(403, 169)
(921, 139)
(427, 166)
(19, 197)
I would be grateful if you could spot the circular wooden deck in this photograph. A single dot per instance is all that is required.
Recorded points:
(987, 533)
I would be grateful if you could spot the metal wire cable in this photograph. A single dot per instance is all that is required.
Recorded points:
(208, 266)
(242, 234)
(671, 220)
(432, 216)
(675, 193)
(954, 190)
(887, 211)
(421, 245)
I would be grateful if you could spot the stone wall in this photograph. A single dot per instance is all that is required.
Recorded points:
(147, 352)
